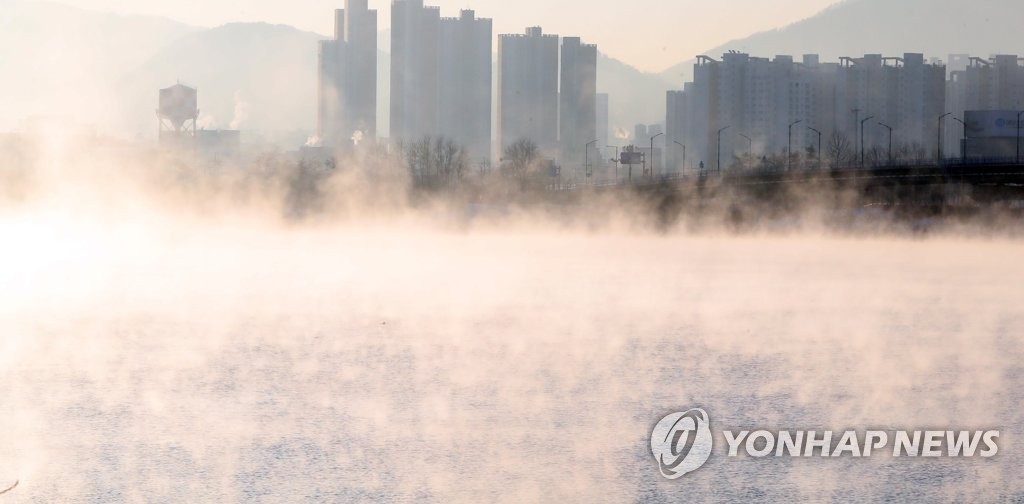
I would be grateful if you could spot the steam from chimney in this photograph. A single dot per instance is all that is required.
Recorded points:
(241, 111)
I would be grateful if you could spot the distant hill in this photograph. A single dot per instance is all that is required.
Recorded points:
(635, 96)
(62, 61)
(937, 28)
(105, 70)
(253, 76)
(271, 71)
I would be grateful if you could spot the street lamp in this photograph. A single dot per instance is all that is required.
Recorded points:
(963, 148)
(866, 119)
(616, 160)
(750, 144)
(789, 144)
(684, 154)
(819, 145)
(652, 152)
(720, 148)
(941, 117)
(856, 119)
(586, 157)
(886, 126)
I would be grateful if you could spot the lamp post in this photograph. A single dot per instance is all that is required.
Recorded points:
(586, 158)
(866, 119)
(819, 145)
(750, 144)
(789, 145)
(720, 148)
(886, 126)
(941, 117)
(684, 154)
(856, 119)
(963, 148)
(616, 161)
(652, 152)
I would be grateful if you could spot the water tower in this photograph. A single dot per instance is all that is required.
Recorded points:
(177, 114)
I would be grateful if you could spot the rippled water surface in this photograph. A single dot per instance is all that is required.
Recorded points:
(217, 362)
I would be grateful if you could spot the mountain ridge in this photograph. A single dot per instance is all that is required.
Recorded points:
(256, 76)
(892, 27)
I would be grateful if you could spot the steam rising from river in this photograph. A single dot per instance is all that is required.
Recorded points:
(154, 355)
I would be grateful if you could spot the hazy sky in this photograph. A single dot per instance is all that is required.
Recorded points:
(649, 34)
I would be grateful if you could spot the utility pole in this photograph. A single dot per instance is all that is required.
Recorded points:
(644, 173)
(789, 145)
(684, 154)
(941, 117)
(586, 158)
(652, 153)
(720, 148)
(856, 140)
(616, 161)
(866, 119)
(963, 147)
(750, 144)
(890, 140)
(819, 145)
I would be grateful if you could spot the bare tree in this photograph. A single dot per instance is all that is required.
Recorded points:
(811, 153)
(449, 161)
(520, 158)
(918, 153)
(838, 148)
(877, 156)
(435, 163)
(417, 159)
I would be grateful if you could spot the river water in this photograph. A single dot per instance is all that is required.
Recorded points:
(167, 360)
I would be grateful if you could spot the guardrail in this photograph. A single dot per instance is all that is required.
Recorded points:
(853, 169)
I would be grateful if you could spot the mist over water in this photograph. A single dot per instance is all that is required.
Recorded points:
(159, 351)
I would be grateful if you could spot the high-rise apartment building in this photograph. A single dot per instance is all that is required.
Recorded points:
(464, 87)
(347, 92)
(677, 128)
(415, 65)
(995, 83)
(528, 89)
(441, 77)
(770, 107)
(577, 116)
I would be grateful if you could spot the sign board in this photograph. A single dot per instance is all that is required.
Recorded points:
(991, 123)
(631, 158)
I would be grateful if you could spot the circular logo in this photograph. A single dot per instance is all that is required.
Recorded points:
(681, 443)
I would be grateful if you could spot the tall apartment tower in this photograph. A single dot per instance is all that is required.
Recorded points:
(906, 93)
(704, 111)
(347, 92)
(415, 63)
(528, 89)
(464, 108)
(577, 98)
(995, 83)
(920, 99)
(677, 121)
